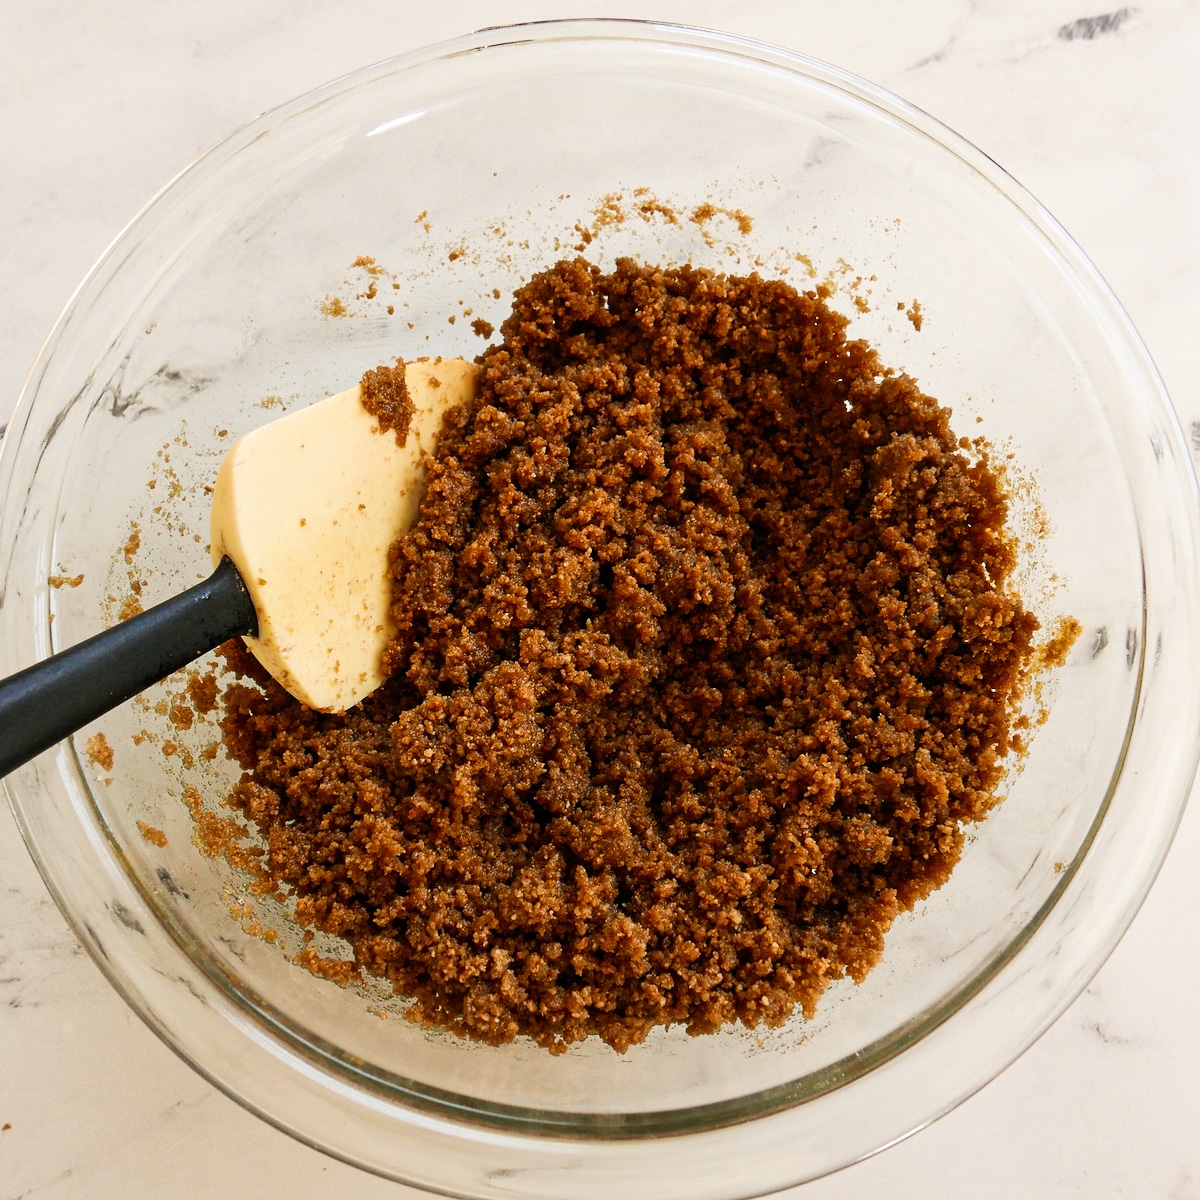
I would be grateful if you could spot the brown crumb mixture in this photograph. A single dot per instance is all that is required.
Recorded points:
(705, 212)
(1053, 652)
(131, 606)
(202, 690)
(385, 396)
(155, 837)
(706, 655)
(99, 751)
(181, 714)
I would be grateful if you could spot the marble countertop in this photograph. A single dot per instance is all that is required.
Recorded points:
(1096, 111)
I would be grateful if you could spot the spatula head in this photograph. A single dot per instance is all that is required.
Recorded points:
(306, 507)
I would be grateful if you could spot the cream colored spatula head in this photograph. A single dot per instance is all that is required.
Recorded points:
(304, 511)
(306, 507)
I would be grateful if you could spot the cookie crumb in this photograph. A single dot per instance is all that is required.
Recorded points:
(155, 837)
(100, 752)
(385, 396)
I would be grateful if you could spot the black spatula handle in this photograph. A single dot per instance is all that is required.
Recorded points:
(50, 700)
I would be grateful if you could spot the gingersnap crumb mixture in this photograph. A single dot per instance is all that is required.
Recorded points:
(155, 837)
(385, 396)
(99, 751)
(705, 655)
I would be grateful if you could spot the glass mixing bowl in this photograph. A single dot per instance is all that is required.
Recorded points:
(382, 215)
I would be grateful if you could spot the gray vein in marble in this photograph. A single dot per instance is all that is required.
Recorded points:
(55, 425)
(1037, 858)
(1091, 27)
(37, 1186)
(1184, 1188)
(150, 1132)
(96, 941)
(167, 880)
(167, 386)
(127, 918)
(937, 55)
(233, 948)
(183, 981)
(35, 954)
(1100, 1030)
(59, 418)
(966, 946)
(1019, 47)
(189, 985)
(816, 152)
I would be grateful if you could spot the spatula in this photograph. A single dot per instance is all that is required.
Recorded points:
(304, 510)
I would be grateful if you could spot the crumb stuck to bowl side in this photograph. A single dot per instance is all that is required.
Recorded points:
(152, 835)
(706, 653)
(100, 752)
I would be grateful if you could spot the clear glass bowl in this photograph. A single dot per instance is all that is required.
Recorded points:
(460, 170)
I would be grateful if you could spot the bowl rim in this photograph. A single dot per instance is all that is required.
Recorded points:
(531, 1126)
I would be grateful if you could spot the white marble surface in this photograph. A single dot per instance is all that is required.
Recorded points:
(1096, 110)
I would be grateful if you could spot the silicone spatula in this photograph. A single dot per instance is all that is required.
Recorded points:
(304, 510)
